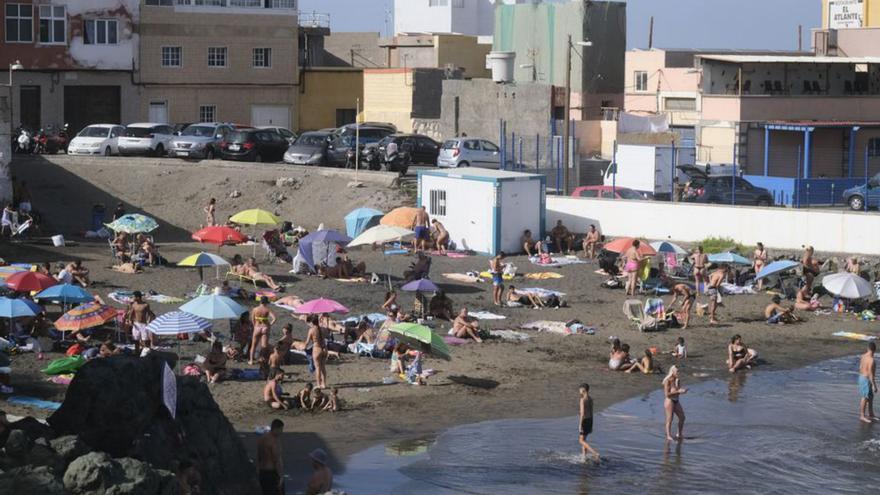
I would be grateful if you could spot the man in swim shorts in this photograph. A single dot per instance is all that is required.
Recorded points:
(139, 315)
(586, 421)
(421, 226)
(867, 384)
(496, 268)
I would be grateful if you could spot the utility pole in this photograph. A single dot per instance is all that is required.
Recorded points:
(566, 130)
(651, 34)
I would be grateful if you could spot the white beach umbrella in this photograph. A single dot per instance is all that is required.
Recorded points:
(381, 234)
(847, 285)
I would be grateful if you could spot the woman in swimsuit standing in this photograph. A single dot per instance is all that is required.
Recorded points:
(262, 318)
(631, 268)
(319, 350)
(810, 267)
(699, 259)
(671, 391)
(760, 257)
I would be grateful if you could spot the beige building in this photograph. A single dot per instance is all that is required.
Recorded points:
(407, 98)
(429, 50)
(329, 97)
(230, 61)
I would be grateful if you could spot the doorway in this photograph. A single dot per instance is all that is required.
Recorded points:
(159, 112)
(29, 106)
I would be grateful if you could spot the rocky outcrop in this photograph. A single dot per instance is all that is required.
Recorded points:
(97, 473)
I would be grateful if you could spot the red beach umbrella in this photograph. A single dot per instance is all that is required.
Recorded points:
(623, 244)
(220, 235)
(30, 281)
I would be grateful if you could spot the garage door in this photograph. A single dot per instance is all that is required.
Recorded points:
(275, 115)
(86, 105)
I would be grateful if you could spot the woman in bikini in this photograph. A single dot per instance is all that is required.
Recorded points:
(760, 257)
(262, 319)
(631, 268)
(252, 270)
(700, 260)
(672, 391)
(209, 212)
(738, 355)
(319, 350)
(810, 267)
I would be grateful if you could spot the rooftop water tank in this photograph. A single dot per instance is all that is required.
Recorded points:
(501, 64)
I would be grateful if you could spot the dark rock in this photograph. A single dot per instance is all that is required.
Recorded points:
(97, 473)
(18, 444)
(30, 479)
(69, 447)
(91, 473)
(42, 455)
(115, 405)
(34, 429)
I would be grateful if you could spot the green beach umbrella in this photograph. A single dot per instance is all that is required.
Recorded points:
(133, 223)
(421, 337)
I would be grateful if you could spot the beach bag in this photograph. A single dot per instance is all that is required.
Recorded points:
(64, 365)
(74, 350)
(192, 370)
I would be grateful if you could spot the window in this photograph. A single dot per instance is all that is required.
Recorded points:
(458, 4)
(438, 3)
(19, 23)
(216, 56)
(345, 116)
(162, 3)
(437, 204)
(53, 24)
(588, 193)
(681, 104)
(171, 56)
(641, 78)
(207, 113)
(262, 58)
(874, 147)
(100, 32)
(487, 146)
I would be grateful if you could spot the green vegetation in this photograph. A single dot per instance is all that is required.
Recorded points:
(712, 245)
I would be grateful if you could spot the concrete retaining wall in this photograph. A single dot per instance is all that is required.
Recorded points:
(835, 231)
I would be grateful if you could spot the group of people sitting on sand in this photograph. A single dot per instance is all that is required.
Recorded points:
(562, 241)
(69, 273)
(739, 356)
(619, 359)
(132, 252)
(251, 271)
(343, 269)
(309, 398)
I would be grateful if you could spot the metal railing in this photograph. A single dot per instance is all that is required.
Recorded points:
(314, 19)
(247, 4)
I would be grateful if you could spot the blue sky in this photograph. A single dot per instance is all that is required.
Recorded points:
(755, 24)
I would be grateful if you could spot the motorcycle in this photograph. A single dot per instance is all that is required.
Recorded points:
(24, 142)
(398, 162)
(50, 141)
(369, 158)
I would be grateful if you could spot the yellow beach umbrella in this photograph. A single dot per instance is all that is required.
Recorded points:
(255, 217)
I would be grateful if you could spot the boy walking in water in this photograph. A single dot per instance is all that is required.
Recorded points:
(586, 421)
(867, 384)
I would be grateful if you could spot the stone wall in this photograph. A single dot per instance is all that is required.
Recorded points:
(5, 146)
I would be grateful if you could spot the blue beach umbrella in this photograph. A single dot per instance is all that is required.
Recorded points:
(133, 223)
(66, 294)
(421, 284)
(214, 307)
(729, 257)
(321, 237)
(17, 308)
(666, 247)
(360, 220)
(776, 267)
(177, 322)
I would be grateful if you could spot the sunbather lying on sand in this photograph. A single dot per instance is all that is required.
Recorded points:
(523, 298)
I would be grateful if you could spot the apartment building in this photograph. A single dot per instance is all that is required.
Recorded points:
(219, 60)
(77, 60)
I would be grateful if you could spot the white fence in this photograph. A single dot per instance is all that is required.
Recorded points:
(836, 231)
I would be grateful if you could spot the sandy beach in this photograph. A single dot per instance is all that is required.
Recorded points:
(497, 379)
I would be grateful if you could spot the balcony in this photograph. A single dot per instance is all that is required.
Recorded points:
(239, 5)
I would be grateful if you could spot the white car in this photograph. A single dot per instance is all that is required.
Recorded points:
(145, 138)
(97, 139)
(469, 152)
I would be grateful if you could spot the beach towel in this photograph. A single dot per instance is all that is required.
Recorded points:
(353, 280)
(505, 276)
(389, 252)
(374, 319)
(271, 295)
(557, 262)
(462, 277)
(22, 400)
(64, 365)
(557, 327)
(543, 275)
(486, 315)
(542, 293)
(62, 379)
(855, 336)
(736, 289)
(127, 297)
(453, 340)
(510, 335)
(249, 374)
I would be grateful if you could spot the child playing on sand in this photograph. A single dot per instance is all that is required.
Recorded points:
(333, 401)
(680, 351)
(414, 370)
(645, 365)
(586, 421)
(304, 397)
(319, 400)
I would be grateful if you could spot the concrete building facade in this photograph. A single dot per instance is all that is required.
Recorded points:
(441, 51)
(78, 60)
(408, 98)
(232, 61)
(474, 17)
(329, 97)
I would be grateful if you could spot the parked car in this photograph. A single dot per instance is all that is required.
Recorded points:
(253, 145)
(606, 192)
(199, 140)
(856, 197)
(350, 128)
(340, 150)
(287, 134)
(421, 149)
(719, 189)
(469, 152)
(97, 139)
(308, 149)
(147, 138)
(178, 128)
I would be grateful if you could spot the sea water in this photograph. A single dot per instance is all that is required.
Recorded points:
(757, 432)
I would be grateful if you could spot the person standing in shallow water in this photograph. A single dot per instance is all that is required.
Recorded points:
(867, 384)
(585, 403)
(671, 391)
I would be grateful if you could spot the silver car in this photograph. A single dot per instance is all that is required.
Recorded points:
(469, 152)
(199, 140)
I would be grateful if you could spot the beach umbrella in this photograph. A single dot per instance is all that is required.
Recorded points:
(321, 240)
(623, 244)
(728, 257)
(847, 285)
(203, 259)
(255, 217)
(214, 307)
(88, 315)
(776, 267)
(381, 234)
(133, 223)
(66, 294)
(361, 219)
(665, 247)
(17, 308)
(326, 235)
(421, 284)
(30, 281)
(8, 271)
(220, 235)
(320, 306)
(177, 322)
(401, 217)
(421, 337)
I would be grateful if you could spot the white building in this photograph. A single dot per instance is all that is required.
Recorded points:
(473, 17)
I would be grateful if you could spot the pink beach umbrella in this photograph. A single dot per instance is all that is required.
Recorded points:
(319, 306)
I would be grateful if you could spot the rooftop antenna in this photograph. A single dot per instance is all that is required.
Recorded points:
(388, 14)
(651, 34)
(800, 37)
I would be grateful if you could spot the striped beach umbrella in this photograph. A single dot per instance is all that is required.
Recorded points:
(177, 322)
(88, 315)
(203, 259)
(133, 223)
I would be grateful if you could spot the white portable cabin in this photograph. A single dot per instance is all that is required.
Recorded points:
(485, 210)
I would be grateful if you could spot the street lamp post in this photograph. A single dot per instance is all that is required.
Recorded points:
(12, 67)
(566, 131)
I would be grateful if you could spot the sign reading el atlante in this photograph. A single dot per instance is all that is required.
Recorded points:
(843, 14)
